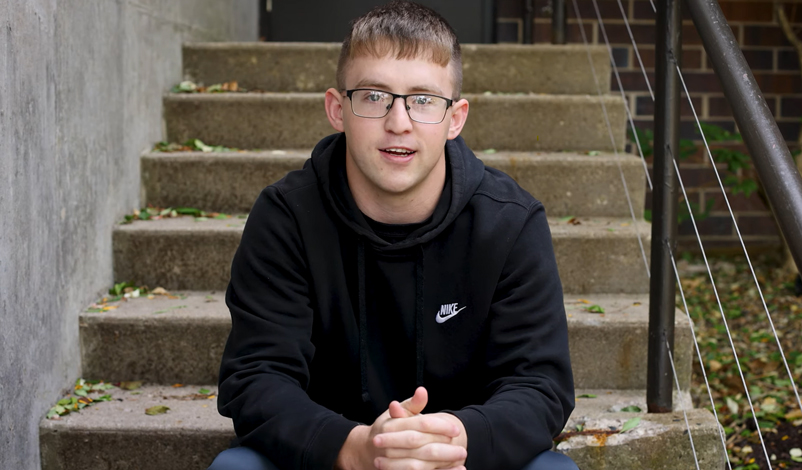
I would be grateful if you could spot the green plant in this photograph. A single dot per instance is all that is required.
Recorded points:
(738, 178)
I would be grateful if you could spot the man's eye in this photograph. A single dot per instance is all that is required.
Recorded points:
(375, 97)
(421, 100)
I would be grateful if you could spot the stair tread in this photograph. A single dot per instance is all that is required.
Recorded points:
(189, 411)
(560, 227)
(210, 306)
(471, 97)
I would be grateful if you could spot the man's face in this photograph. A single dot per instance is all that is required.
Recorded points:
(370, 157)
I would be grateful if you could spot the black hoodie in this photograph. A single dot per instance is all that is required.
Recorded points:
(330, 321)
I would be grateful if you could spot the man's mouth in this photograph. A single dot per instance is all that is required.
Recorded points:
(398, 151)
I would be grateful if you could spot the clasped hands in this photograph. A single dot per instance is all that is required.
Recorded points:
(403, 438)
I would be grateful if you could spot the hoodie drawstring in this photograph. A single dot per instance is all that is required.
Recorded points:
(363, 319)
(419, 281)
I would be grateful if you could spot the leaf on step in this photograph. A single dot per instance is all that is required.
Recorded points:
(168, 309)
(587, 395)
(595, 309)
(204, 391)
(156, 410)
(630, 424)
(130, 385)
(632, 408)
(732, 405)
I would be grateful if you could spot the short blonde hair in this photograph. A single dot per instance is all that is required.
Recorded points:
(405, 30)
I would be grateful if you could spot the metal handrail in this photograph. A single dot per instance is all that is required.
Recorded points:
(772, 160)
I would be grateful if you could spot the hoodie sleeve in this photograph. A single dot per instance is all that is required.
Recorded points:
(530, 389)
(265, 368)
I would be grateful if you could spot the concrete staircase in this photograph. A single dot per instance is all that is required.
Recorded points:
(538, 125)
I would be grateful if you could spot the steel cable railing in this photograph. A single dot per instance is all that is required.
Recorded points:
(621, 88)
(674, 267)
(612, 140)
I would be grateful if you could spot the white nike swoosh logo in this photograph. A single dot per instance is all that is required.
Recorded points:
(443, 319)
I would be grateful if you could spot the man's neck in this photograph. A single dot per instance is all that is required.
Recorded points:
(409, 207)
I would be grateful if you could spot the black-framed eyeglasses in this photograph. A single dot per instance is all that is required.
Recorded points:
(421, 107)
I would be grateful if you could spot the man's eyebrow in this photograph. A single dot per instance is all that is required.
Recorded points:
(369, 83)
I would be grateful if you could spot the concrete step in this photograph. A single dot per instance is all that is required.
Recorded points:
(658, 442)
(598, 255)
(181, 339)
(566, 183)
(524, 122)
(118, 435)
(310, 67)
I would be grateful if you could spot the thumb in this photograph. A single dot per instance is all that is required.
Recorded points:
(417, 402)
(411, 406)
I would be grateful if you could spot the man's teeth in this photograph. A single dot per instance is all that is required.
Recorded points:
(398, 151)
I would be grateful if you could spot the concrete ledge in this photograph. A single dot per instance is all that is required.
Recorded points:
(298, 120)
(161, 340)
(181, 340)
(609, 350)
(566, 183)
(601, 255)
(598, 256)
(311, 67)
(118, 435)
(176, 253)
(659, 442)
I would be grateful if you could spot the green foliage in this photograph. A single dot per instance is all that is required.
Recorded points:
(737, 162)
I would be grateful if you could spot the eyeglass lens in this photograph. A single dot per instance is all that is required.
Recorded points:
(376, 104)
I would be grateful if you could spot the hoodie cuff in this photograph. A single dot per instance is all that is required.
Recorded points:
(324, 448)
(480, 440)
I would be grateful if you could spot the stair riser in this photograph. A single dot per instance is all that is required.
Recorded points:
(202, 260)
(175, 260)
(232, 183)
(669, 450)
(156, 352)
(502, 122)
(130, 449)
(614, 356)
(189, 351)
(310, 67)
(612, 265)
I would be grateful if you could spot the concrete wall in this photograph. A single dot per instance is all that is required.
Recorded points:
(80, 98)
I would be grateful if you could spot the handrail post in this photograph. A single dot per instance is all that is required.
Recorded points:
(659, 377)
(529, 19)
(558, 21)
(775, 167)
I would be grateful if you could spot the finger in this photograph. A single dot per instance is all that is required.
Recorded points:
(423, 423)
(384, 463)
(417, 402)
(436, 452)
(398, 411)
(408, 439)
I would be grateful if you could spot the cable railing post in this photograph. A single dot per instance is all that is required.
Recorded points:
(659, 388)
(529, 20)
(770, 156)
(558, 21)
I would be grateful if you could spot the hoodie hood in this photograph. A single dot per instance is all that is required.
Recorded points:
(466, 174)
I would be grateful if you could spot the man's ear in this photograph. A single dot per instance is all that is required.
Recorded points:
(459, 115)
(334, 109)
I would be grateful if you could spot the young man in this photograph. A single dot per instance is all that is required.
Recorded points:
(396, 265)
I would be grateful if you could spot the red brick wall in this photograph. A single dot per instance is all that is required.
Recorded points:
(772, 59)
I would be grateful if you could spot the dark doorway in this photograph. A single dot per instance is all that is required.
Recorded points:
(328, 20)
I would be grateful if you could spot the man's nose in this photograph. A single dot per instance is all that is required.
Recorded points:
(398, 119)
